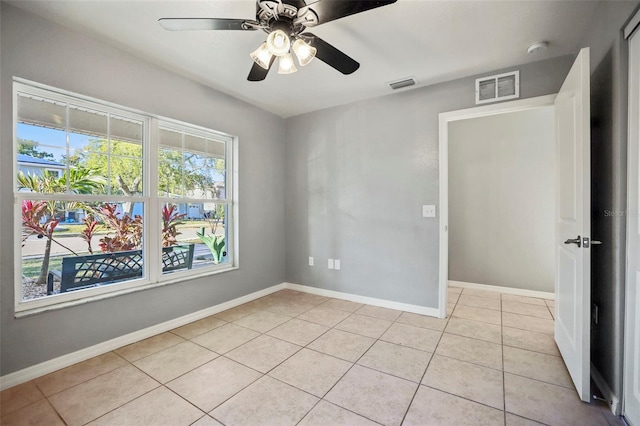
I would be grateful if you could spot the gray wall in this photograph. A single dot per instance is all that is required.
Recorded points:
(501, 200)
(39, 50)
(609, 90)
(356, 178)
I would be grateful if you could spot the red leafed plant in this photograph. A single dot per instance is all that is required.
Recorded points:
(90, 228)
(127, 230)
(170, 220)
(33, 213)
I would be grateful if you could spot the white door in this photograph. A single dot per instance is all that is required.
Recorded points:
(632, 321)
(573, 223)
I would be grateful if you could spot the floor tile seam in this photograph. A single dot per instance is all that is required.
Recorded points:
(425, 328)
(55, 410)
(82, 382)
(199, 334)
(446, 318)
(131, 400)
(463, 397)
(540, 380)
(286, 341)
(422, 378)
(453, 315)
(4, 413)
(351, 411)
(550, 311)
(528, 329)
(527, 315)
(373, 316)
(482, 296)
(475, 306)
(257, 331)
(154, 352)
(299, 319)
(467, 361)
(363, 335)
(334, 356)
(381, 338)
(352, 365)
(231, 396)
(472, 338)
(396, 376)
(287, 315)
(277, 365)
(525, 417)
(44, 398)
(530, 350)
(186, 372)
(343, 310)
(362, 366)
(319, 398)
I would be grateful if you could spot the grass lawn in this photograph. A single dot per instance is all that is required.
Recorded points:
(31, 267)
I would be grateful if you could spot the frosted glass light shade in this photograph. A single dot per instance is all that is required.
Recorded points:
(304, 52)
(278, 43)
(286, 65)
(262, 56)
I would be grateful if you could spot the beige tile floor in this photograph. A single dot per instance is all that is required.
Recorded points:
(294, 358)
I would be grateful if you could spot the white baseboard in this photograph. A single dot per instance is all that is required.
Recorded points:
(506, 290)
(422, 310)
(607, 393)
(63, 361)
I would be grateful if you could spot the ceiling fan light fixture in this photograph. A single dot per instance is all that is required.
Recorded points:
(304, 51)
(278, 43)
(262, 56)
(286, 65)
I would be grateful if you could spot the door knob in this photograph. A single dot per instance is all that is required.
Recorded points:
(576, 241)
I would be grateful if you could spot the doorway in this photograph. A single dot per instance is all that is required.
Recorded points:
(447, 119)
(501, 202)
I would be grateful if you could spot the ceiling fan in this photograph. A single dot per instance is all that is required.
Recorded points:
(285, 22)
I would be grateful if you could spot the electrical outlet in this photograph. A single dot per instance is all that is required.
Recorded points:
(336, 264)
(330, 263)
(310, 261)
(429, 211)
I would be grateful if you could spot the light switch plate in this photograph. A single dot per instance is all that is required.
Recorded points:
(310, 261)
(429, 210)
(330, 263)
(336, 264)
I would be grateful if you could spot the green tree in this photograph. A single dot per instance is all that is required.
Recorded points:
(30, 148)
(42, 217)
(122, 165)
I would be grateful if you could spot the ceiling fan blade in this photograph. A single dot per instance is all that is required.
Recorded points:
(329, 10)
(258, 73)
(196, 24)
(332, 56)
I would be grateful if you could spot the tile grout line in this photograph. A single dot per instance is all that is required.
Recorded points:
(433, 354)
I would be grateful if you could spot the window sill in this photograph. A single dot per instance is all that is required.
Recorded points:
(27, 312)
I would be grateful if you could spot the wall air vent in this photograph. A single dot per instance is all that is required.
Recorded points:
(498, 87)
(405, 82)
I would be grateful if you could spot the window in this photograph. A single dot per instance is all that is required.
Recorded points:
(93, 220)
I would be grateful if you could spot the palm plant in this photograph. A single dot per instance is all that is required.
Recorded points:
(41, 217)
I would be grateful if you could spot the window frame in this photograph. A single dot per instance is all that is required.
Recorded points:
(152, 223)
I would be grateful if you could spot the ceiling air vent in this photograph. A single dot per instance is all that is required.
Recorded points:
(498, 87)
(405, 82)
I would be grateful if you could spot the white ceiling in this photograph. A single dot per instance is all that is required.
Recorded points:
(433, 41)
